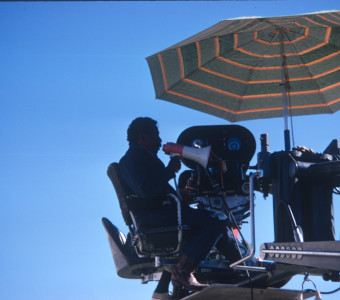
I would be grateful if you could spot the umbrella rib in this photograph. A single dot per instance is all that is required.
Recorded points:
(325, 102)
(240, 98)
(258, 61)
(303, 35)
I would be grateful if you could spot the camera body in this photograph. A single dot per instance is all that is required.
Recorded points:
(223, 185)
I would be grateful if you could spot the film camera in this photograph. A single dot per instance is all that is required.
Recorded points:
(218, 158)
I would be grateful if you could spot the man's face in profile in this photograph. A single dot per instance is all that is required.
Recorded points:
(151, 140)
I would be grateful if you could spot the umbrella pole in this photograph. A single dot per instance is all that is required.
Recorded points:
(284, 92)
(285, 117)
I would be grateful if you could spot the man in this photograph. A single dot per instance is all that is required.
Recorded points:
(148, 177)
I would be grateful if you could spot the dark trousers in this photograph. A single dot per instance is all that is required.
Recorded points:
(204, 232)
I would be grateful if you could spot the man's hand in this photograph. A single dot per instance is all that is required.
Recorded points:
(175, 163)
(304, 149)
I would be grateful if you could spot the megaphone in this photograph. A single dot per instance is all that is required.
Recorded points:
(199, 155)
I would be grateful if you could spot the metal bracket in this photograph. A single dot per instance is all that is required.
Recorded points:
(151, 277)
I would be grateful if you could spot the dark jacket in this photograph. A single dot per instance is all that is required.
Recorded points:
(146, 175)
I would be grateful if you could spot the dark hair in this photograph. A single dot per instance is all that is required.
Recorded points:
(139, 125)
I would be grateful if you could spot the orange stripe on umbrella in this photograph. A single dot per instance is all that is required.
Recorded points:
(279, 67)
(328, 20)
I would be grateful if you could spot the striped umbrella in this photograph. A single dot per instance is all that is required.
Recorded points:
(255, 68)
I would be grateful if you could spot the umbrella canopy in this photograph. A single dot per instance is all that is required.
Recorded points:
(243, 69)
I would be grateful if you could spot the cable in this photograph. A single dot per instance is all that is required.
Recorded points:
(221, 167)
(331, 292)
(324, 293)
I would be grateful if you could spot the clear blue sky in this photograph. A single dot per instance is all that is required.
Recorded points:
(72, 77)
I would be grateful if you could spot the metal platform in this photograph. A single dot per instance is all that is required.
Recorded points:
(222, 292)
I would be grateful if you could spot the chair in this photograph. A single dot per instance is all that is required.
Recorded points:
(146, 251)
(148, 242)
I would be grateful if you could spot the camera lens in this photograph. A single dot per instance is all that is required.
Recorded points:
(234, 144)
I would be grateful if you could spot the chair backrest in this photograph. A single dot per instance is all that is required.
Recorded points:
(122, 190)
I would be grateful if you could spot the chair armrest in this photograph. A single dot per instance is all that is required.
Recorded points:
(179, 221)
(143, 232)
(179, 208)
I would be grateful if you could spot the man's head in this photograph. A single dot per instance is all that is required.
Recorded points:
(144, 132)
